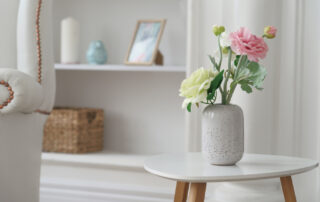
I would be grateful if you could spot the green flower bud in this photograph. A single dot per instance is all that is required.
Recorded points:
(217, 30)
(269, 32)
(222, 29)
(225, 50)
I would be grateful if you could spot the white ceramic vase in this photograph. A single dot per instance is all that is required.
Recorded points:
(222, 134)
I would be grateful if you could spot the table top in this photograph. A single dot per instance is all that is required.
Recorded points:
(192, 167)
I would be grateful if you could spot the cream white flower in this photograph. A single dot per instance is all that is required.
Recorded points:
(225, 40)
(194, 88)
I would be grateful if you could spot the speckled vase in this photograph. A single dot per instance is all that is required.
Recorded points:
(222, 134)
(96, 53)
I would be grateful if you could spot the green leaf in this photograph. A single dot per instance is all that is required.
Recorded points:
(214, 85)
(189, 107)
(236, 61)
(210, 96)
(216, 82)
(257, 74)
(251, 75)
(246, 87)
(242, 63)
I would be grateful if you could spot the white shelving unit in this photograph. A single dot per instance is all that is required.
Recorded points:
(142, 107)
(104, 159)
(116, 67)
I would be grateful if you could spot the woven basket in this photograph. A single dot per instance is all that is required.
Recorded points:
(74, 130)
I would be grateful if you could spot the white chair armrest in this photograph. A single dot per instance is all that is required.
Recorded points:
(19, 92)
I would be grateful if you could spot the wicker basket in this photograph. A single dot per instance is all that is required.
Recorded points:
(74, 130)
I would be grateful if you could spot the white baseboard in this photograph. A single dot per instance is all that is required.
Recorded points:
(59, 190)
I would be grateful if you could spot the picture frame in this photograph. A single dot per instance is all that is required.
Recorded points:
(143, 49)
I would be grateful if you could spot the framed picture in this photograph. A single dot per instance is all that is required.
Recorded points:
(143, 49)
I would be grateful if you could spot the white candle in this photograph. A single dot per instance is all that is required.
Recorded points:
(70, 40)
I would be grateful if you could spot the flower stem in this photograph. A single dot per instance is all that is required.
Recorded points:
(233, 87)
(242, 59)
(219, 65)
(220, 53)
(224, 96)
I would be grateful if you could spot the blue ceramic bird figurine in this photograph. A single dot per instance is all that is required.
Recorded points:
(96, 53)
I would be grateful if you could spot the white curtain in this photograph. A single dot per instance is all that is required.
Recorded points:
(284, 118)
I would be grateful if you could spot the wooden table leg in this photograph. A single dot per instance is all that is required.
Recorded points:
(288, 189)
(181, 194)
(197, 192)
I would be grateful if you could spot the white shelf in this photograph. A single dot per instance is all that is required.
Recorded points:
(118, 67)
(102, 159)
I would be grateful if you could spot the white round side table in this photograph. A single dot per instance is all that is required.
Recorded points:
(192, 168)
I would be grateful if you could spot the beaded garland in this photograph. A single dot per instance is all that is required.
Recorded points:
(39, 41)
(11, 94)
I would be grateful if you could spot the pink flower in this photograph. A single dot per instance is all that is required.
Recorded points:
(270, 32)
(245, 43)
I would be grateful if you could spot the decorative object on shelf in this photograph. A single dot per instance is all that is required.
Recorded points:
(96, 53)
(143, 49)
(222, 124)
(70, 41)
(74, 130)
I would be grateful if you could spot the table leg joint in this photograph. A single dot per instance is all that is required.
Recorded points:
(197, 192)
(181, 193)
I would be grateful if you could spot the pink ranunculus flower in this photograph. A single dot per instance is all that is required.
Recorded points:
(245, 43)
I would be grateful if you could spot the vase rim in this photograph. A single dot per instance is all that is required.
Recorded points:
(223, 104)
(220, 105)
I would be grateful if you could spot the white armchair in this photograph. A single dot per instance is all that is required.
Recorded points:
(26, 97)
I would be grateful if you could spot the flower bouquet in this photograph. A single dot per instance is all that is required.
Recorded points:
(222, 124)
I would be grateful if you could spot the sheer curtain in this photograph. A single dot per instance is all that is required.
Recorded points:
(283, 118)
